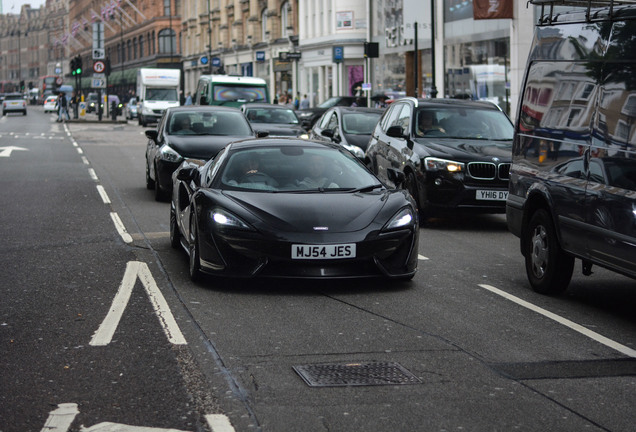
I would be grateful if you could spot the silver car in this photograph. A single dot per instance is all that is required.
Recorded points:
(131, 109)
(14, 102)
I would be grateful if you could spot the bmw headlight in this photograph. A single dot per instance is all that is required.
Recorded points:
(402, 219)
(436, 164)
(225, 219)
(357, 151)
(304, 115)
(167, 153)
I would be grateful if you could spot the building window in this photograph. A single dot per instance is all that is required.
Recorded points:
(167, 43)
(129, 54)
(141, 46)
(264, 32)
(166, 8)
(285, 18)
(134, 48)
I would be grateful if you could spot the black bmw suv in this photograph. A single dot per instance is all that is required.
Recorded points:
(455, 154)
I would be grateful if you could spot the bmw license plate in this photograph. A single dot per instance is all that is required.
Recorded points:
(491, 195)
(331, 251)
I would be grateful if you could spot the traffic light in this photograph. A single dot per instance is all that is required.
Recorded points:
(78, 65)
(107, 69)
(73, 64)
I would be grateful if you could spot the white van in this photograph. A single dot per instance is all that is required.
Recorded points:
(157, 89)
(230, 90)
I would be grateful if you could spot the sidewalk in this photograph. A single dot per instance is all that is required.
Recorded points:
(94, 119)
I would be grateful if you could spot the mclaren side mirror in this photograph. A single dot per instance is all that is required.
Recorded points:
(187, 174)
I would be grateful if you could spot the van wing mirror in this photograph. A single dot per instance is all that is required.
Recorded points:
(395, 132)
(397, 177)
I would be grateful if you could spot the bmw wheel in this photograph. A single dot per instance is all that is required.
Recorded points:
(548, 267)
(410, 184)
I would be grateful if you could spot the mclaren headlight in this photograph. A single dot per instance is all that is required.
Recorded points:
(168, 154)
(436, 164)
(402, 219)
(225, 219)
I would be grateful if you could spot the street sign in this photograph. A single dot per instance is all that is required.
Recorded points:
(99, 66)
(204, 60)
(98, 83)
(260, 56)
(216, 62)
(338, 54)
(99, 54)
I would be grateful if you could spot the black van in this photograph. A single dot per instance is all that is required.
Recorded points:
(572, 190)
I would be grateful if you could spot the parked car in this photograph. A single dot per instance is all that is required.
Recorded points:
(14, 102)
(350, 127)
(194, 132)
(50, 104)
(455, 154)
(277, 120)
(573, 177)
(256, 210)
(131, 109)
(309, 116)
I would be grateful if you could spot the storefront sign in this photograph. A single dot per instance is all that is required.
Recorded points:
(260, 56)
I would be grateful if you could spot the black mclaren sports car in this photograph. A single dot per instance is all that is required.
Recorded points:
(290, 208)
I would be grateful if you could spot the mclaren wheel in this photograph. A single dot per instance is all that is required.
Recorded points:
(195, 260)
(175, 235)
(548, 267)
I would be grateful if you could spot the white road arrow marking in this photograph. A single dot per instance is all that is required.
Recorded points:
(134, 269)
(6, 151)
(60, 419)
(117, 427)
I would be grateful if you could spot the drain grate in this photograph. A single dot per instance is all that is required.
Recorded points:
(355, 374)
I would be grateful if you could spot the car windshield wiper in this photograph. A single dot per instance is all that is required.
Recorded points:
(366, 188)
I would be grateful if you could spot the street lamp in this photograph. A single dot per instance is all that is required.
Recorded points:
(272, 81)
(235, 49)
(290, 34)
(209, 38)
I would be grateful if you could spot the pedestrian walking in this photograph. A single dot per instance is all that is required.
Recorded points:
(62, 108)
(304, 103)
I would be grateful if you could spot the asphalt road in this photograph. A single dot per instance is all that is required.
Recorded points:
(469, 345)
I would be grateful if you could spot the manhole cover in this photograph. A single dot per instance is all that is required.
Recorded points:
(355, 374)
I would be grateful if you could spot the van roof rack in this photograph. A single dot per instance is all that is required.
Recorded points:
(549, 16)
